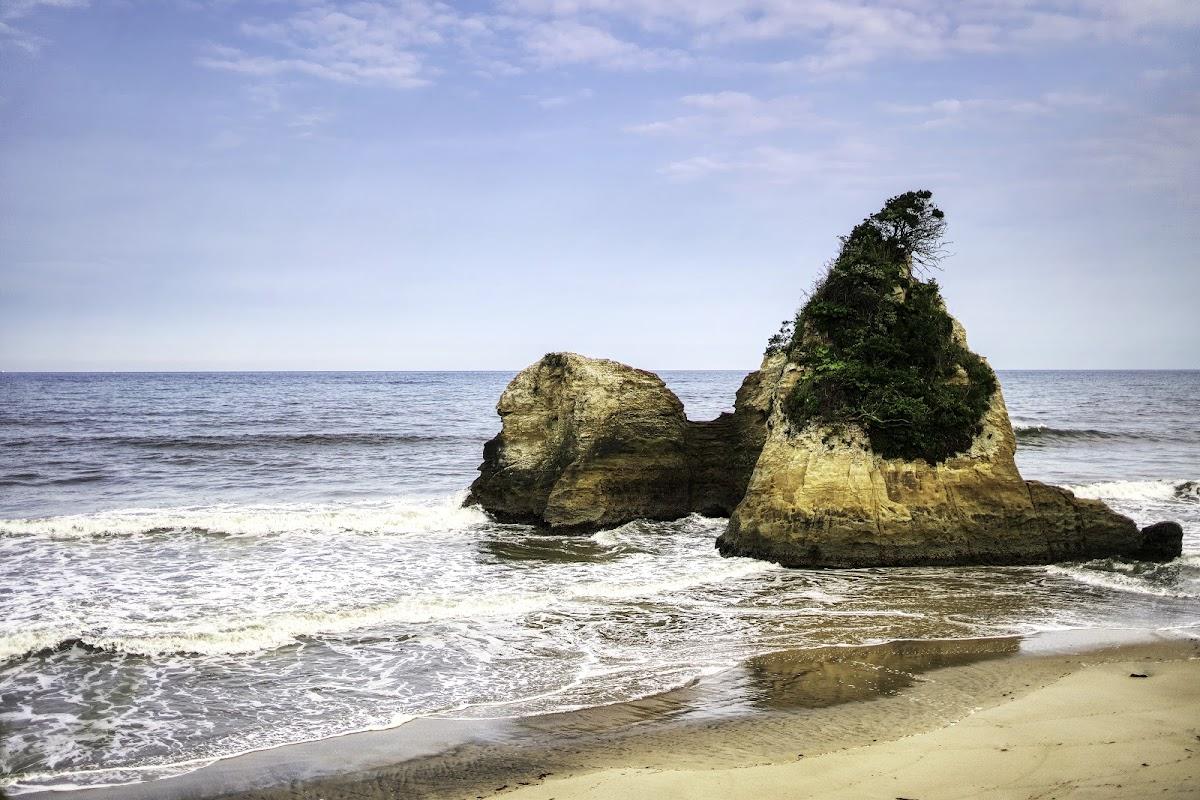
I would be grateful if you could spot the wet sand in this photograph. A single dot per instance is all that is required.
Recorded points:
(1097, 732)
(1047, 716)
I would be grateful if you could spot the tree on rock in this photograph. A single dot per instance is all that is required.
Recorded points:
(878, 348)
(914, 225)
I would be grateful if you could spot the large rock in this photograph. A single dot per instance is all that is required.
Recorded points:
(585, 443)
(820, 499)
(588, 444)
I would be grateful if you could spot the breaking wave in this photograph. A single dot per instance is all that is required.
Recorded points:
(1178, 578)
(381, 516)
(1186, 491)
(222, 636)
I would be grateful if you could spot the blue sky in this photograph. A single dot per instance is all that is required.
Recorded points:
(310, 184)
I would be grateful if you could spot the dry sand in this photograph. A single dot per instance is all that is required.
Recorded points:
(1097, 732)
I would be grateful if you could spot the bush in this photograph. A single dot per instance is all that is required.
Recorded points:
(877, 345)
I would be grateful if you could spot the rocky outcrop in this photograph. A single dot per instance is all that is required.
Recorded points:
(587, 444)
(870, 436)
(819, 499)
(1161, 541)
(722, 453)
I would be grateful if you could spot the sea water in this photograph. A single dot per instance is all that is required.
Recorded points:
(198, 565)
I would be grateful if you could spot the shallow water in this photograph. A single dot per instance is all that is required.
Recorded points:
(193, 566)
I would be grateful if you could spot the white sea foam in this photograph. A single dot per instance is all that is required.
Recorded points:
(1178, 578)
(401, 515)
(1129, 490)
(218, 636)
(730, 569)
(32, 640)
(72, 780)
(606, 539)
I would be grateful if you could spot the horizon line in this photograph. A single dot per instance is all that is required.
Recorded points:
(501, 370)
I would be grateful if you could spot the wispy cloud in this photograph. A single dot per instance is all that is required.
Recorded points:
(12, 11)
(844, 160)
(371, 43)
(560, 100)
(731, 113)
(1161, 75)
(1158, 152)
(953, 111)
(567, 42)
(836, 35)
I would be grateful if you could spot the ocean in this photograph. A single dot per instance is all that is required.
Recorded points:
(194, 566)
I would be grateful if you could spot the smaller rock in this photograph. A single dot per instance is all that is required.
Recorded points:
(1161, 541)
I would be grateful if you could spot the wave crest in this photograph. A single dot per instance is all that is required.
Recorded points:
(234, 441)
(1163, 490)
(1178, 578)
(1035, 434)
(222, 636)
(401, 515)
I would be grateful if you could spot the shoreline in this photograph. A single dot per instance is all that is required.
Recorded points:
(1110, 728)
(759, 715)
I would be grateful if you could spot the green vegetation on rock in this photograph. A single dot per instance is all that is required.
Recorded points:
(878, 347)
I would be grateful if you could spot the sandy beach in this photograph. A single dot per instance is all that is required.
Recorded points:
(1050, 716)
(1098, 731)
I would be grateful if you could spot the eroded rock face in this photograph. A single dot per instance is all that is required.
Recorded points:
(819, 499)
(588, 443)
(585, 444)
(722, 452)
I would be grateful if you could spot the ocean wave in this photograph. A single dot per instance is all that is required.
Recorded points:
(223, 636)
(114, 777)
(1178, 578)
(208, 637)
(1034, 434)
(1163, 490)
(374, 516)
(235, 441)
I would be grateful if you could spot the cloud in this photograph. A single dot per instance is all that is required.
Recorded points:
(1156, 153)
(395, 44)
(370, 43)
(952, 111)
(15, 9)
(1164, 74)
(567, 43)
(847, 160)
(558, 101)
(11, 11)
(697, 167)
(731, 113)
(826, 36)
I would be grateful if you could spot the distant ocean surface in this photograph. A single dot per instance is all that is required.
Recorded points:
(198, 565)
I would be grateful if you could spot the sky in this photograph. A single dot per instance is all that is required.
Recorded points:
(409, 184)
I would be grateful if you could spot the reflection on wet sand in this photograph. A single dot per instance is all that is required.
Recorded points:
(766, 708)
(829, 676)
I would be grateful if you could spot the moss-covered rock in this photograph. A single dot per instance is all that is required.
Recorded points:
(877, 346)
(889, 442)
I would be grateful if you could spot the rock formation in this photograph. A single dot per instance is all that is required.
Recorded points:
(820, 501)
(870, 436)
(587, 444)
(888, 440)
